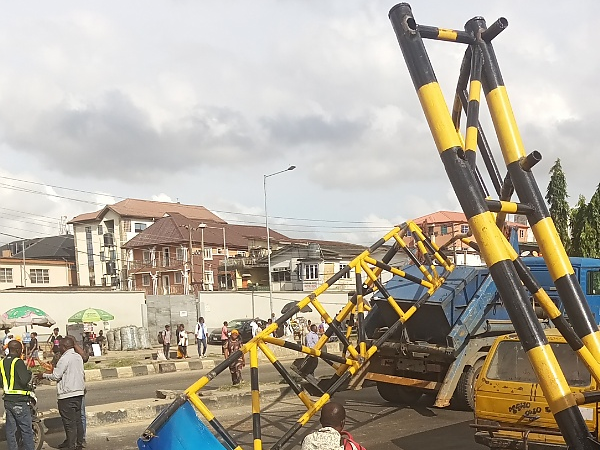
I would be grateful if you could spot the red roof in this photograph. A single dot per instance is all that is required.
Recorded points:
(442, 217)
(147, 209)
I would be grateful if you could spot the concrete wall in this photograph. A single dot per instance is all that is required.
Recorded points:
(173, 310)
(127, 307)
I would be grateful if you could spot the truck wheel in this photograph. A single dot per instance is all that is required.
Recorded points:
(464, 395)
(395, 393)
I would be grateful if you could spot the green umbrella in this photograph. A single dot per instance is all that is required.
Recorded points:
(27, 315)
(91, 315)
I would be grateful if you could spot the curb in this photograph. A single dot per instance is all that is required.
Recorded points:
(148, 369)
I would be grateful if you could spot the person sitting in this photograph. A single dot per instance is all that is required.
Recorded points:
(332, 435)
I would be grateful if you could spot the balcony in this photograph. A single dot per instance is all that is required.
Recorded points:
(158, 263)
(239, 262)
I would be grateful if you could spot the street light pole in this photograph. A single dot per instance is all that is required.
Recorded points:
(202, 226)
(226, 255)
(268, 236)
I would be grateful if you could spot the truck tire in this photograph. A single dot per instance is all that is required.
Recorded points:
(464, 396)
(395, 393)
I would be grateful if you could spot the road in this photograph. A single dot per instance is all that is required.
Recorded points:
(375, 423)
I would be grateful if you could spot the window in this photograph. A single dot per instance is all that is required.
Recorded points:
(281, 275)
(444, 229)
(521, 233)
(311, 271)
(113, 255)
(208, 278)
(146, 256)
(430, 230)
(178, 278)
(180, 254)
(464, 229)
(220, 251)
(342, 267)
(145, 279)
(139, 227)
(89, 246)
(127, 226)
(39, 276)
(208, 253)
(593, 283)
(510, 363)
(6, 276)
(241, 253)
(100, 231)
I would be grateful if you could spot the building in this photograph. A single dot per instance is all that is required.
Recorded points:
(46, 262)
(446, 227)
(167, 257)
(100, 235)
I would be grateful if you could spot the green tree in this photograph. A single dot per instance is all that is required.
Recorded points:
(556, 196)
(578, 222)
(593, 218)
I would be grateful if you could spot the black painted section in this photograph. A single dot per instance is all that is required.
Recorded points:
(256, 425)
(576, 306)
(411, 44)
(574, 430)
(324, 355)
(528, 191)
(224, 364)
(526, 276)
(223, 433)
(338, 275)
(165, 415)
(334, 327)
(428, 32)
(470, 195)
(491, 77)
(569, 334)
(516, 302)
(254, 378)
(287, 377)
(287, 436)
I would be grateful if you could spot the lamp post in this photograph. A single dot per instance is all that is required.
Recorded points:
(202, 226)
(268, 237)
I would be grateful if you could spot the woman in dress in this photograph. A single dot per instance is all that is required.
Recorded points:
(182, 342)
(233, 345)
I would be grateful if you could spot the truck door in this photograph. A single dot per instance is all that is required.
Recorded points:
(507, 391)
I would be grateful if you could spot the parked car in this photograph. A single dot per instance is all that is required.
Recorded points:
(242, 325)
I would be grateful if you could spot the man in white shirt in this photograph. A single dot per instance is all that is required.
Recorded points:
(201, 337)
(254, 327)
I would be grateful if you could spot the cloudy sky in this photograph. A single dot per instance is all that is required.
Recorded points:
(195, 101)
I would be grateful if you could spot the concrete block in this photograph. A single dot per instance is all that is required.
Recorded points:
(125, 372)
(93, 375)
(181, 365)
(195, 364)
(151, 369)
(166, 367)
(140, 370)
(208, 364)
(109, 373)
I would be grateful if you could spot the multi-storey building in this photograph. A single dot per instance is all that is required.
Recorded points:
(99, 237)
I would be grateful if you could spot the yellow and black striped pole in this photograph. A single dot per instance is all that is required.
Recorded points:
(254, 387)
(495, 249)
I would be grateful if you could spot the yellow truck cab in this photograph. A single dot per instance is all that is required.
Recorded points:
(510, 409)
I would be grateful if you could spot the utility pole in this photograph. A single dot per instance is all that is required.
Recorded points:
(226, 255)
(24, 269)
(202, 226)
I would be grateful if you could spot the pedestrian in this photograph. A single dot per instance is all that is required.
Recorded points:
(6, 339)
(9, 337)
(15, 380)
(101, 341)
(254, 327)
(233, 345)
(312, 337)
(323, 326)
(54, 340)
(70, 391)
(331, 435)
(201, 335)
(33, 350)
(224, 339)
(166, 341)
(182, 342)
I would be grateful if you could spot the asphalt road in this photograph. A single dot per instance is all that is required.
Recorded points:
(373, 422)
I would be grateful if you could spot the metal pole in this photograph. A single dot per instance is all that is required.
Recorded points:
(24, 269)
(268, 247)
(191, 262)
(202, 226)
(226, 255)
(252, 290)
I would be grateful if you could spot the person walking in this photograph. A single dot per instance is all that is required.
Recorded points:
(15, 380)
(33, 351)
(70, 391)
(233, 345)
(182, 342)
(224, 339)
(201, 335)
(166, 341)
(331, 435)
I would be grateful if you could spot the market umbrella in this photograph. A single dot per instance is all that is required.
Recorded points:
(91, 315)
(27, 315)
(290, 305)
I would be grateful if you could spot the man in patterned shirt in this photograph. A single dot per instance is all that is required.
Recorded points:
(331, 436)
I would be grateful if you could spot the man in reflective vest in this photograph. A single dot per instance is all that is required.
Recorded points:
(15, 378)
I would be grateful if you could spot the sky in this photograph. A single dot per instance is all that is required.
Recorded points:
(196, 101)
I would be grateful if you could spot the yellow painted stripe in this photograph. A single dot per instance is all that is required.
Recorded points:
(395, 307)
(447, 35)
(505, 124)
(303, 396)
(408, 314)
(311, 412)
(197, 385)
(358, 259)
(590, 362)
(547, 304)
(201, 407)
(253, 357)
(257, 444)
(552, 249)
(255, 402)
(492, 243)
(471, 139)
(551, 379)
(438, 117)
(474, 90)
(592, 342)
(363, 349)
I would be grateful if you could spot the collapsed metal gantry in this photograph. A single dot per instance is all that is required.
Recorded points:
(480, 69)
(486, 219)
(434, 266)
